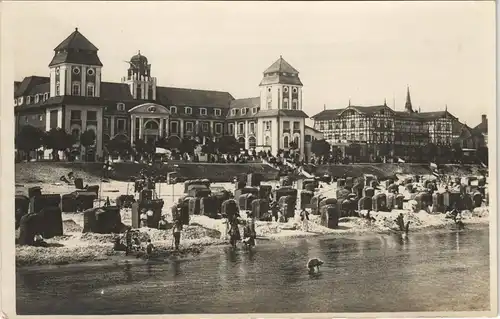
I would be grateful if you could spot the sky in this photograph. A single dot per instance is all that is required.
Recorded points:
(360, 51)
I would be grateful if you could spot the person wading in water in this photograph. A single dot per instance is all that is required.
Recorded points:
(177, 233)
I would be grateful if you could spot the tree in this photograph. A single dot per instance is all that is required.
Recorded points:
(119, 146)
(87, 139)
(228, 145)
(143, 148)
(457, 152)
(188, 145)
(29, 139)
(173, 142)
(293, 145)
(58, 140)
(320, 148)
(209, 147)
(482, 154)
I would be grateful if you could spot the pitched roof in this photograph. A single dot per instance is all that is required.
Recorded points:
(251, 105)
(281, 66)
(312, 129)
(247, 102)
(76, 41)
(289, 113)
(76, 49)
(115, 91)
(327, 114)
(369, 110)
(31, 85)
(482, 127)
(275, 78)
(191, 97)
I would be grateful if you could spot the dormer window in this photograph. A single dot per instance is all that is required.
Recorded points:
(28, 100)
(233, 112)
(188, 110)
(203, 111)
(254, 110)
(15, 102)
(243, 111)
(173, 109)
(46, 96)
(37, 98)
(20, 101)
(217, 112)
(120, 107)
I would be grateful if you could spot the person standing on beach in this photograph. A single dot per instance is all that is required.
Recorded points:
(149, 248)
(128, 241)
(304, 217)
(177, 233)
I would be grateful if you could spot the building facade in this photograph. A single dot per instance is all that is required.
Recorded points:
(382, 131)
(74, 98)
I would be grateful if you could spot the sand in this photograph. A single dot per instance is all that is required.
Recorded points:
(75, 247)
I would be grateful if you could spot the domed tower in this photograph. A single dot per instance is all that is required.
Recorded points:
(142, 84)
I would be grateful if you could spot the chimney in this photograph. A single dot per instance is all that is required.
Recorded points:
(483, 119)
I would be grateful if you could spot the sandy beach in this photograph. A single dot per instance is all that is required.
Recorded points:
(77, 247)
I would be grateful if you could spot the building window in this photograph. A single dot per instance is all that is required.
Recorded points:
(173, 109)
(337, 137)
(389, 124)
(269, 104)
(230, 128)
(296, 126)
(203, 111)
(76, 115)
(218, 128)
(217, 112)
(204, 127)
(91, 116)
(374, 122)
(353, 137)
(15, 101)
(58, 89)
(330, 125)
(37, 98)
(233, 112)
(285, 89)
(76, 134)
(241, 128)
(361, 136)
(353, 124)
(188, 110)
(344, 137)
(40, 118)
(375, 137)
(90, 89)
(28, 100)
(75, 88)
(285, 142)
(254, 110)
(285, 103)
(294, 90)
(121, 125)
(189, 127)
(361, 124)
(174, 127)
(267, 141)
(267, 125)
(252, 127)
(46, 96)
(438, 126)
(243, 111)
(120, 107)
(76, 70)
(344, 124)
(295, 104)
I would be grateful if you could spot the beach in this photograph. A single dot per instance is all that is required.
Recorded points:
(77, 247)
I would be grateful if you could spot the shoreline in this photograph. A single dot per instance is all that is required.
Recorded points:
(192, 249)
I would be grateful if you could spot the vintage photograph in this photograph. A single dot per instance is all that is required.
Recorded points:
(251, 158)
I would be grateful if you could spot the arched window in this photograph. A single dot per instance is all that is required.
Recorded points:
(252, 142)
(285, 142)
(296, 140)
(173, 109)
(151, 125)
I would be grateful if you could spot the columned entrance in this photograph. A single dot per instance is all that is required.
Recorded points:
(149, 122)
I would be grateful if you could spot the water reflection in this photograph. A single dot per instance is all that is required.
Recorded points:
(128, 271)
(366, 273)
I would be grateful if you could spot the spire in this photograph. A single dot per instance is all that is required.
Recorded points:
(408, 106)
(385, 102)
(349, 102)
(324, 106)
(446, 107)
